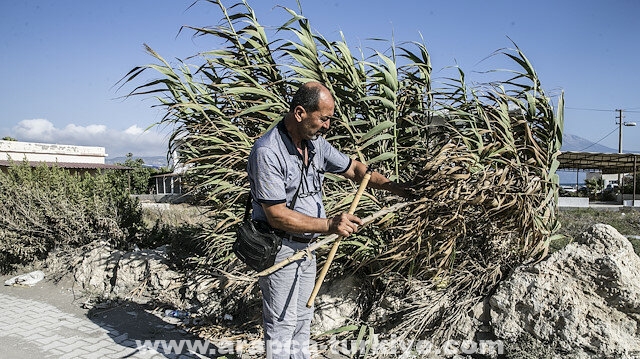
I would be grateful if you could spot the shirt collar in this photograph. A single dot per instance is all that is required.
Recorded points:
(288, 142)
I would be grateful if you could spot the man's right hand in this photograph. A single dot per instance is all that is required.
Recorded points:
(344, 224)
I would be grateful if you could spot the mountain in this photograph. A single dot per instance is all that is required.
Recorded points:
(573, 143)
(569, 143)
(153, 161)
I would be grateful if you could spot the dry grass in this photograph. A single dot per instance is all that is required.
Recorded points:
(576, 221)
(174, 215)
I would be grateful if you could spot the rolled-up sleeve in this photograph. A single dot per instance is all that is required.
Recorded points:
(334, 160)
(268, 175)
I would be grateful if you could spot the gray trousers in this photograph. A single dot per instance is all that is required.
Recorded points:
(285, 315)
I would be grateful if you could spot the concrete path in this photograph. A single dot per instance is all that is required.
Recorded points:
(47, 321)
(36, 328)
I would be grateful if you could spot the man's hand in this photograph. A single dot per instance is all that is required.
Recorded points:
(405, 190)
(343, 224)
(358, 170)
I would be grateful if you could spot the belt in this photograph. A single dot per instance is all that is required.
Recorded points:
(288, 236)
(291, 237)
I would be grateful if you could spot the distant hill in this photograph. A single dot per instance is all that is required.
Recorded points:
(569, 143)
(573, 143)
(154, 161)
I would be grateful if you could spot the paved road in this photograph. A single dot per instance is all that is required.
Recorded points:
(47, 321)
(31, 328)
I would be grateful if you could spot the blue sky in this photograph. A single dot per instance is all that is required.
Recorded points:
(61, 60)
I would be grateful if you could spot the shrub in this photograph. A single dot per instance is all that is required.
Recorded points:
(137, 178)
(43, 208)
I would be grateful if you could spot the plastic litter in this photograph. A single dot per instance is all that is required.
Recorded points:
(176, 313)
(28, 279)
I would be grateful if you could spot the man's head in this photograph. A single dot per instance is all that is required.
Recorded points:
(307, 96)
(312, 107)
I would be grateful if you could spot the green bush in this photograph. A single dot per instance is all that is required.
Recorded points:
(136, 178)
(43, 208)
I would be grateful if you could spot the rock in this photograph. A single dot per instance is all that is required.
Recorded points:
(583, 301)
(95, 272)
(205, 293)
(144, 274)
(336, 304)
(139, 275)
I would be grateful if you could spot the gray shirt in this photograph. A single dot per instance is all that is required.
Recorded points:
(276, 170)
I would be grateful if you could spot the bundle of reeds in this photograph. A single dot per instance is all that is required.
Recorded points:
(487, 204)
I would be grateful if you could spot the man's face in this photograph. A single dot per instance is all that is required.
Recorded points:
(317, 123)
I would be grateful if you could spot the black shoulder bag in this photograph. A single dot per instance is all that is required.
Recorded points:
(257, 243)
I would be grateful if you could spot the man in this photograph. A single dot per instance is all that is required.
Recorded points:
(288, 162)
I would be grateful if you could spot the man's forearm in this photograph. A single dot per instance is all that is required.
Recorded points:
(377, 181)
(285, 219)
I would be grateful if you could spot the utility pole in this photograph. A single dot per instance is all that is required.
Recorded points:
(620, 151)
(620, 131)
(622, 123)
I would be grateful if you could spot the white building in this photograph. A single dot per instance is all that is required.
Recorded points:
(79, 158)
(170, 183)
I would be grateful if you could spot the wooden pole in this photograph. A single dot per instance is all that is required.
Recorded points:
(329, 239)
(334, 248)
(635, 169)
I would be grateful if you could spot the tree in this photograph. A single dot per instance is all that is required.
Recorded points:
(7, 138)
(595, 186)
(628, 185)
(137, 177)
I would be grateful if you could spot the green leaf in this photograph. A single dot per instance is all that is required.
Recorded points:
(376, 130)
(346, 328)
(385, 102)
(382, 157)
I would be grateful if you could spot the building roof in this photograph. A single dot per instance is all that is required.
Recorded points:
(606, 162)
(51, 152)
(69, 165)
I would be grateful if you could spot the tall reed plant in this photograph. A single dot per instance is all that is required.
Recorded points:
(481, 158)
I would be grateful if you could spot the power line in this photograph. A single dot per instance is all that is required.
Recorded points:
(595, 143)
(602, 110)
(588, 109)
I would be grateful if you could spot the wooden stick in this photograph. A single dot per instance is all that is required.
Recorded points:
(328, 239)
(334, 248)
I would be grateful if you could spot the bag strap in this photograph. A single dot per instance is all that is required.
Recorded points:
(247, 209)
(295, 196)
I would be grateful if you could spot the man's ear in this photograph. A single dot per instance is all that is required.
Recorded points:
(299, 112)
